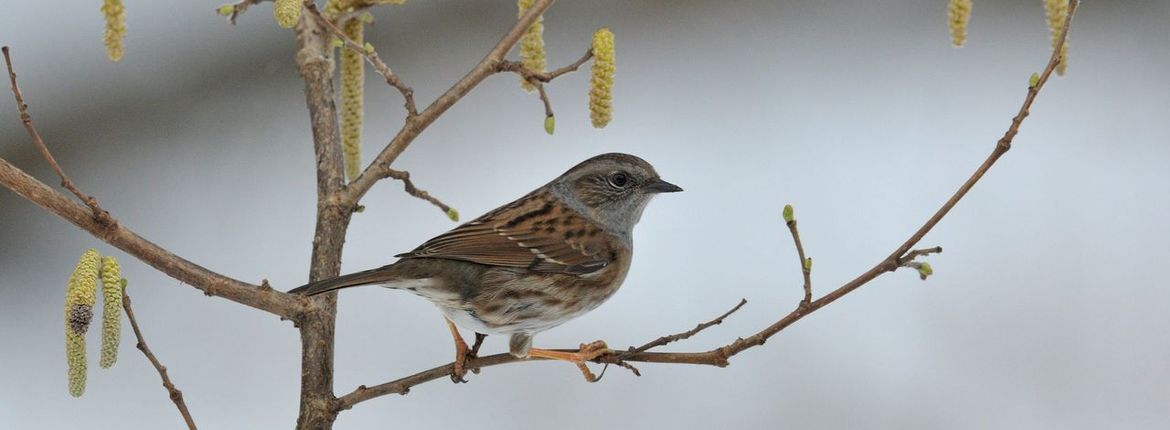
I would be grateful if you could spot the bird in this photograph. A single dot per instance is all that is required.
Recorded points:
(550, 256)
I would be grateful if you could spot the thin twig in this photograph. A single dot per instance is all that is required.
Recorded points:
(545, 77)
(720, 356)
(686, 334)
(240, 7)
(910, 256)
(99, 214)
(372, 57)
(548, 112)
(175, 395)
(805, 262)
(408, 185)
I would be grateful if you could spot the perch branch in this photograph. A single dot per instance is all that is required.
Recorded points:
(113, 233)
(371, 57)
(174, 393)
(720, 356)
(488, 66)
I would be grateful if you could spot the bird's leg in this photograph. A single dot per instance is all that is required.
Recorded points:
(462, 353)
(479, 337)
(585, 353)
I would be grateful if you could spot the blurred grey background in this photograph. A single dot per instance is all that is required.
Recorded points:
(1049, 308)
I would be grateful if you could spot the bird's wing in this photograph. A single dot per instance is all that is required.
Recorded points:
(535, 233)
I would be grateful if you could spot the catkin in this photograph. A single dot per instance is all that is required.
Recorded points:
(1057, 13)
(80, 296)
(352, 82)
(111, 310)
(532, 54)
(287, 12)
(601, 83)
(958, 15)
(115, 15)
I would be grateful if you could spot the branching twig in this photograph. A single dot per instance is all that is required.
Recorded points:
(686, 334)
(408, 185)
(543, 77)
(719, 356)
(174, 393)
(99, 214)
(488, 66)
(372, 57)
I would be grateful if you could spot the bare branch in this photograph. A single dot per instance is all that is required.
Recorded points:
(408, 185)
(543, 77)
(100, 215)
(372, 57)
(805, 262)
(107, 229)
(910, 256)
(174, 393)
(686, 334)
(720, 356)
(488, 66)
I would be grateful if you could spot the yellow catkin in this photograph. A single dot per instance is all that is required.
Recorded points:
(287, 12)
(80, 296)
(111, 310)
(1057, 13)
(352, 82)
(958, 15)
(115, 28)
(601, 84)
(531, 45)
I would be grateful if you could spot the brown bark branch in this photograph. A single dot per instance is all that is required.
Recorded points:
(720, 356)
(488, 66)
(317, 322)
(172, 391)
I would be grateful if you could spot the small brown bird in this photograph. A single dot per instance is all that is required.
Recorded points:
(532, 264)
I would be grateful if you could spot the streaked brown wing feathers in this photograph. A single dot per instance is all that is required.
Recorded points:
(535, 233)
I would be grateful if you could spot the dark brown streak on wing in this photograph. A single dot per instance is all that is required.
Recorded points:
(526, 234)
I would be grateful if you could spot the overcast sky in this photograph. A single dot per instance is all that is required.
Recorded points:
(1049, 308)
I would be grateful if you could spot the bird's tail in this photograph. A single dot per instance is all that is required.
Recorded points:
(365, 277)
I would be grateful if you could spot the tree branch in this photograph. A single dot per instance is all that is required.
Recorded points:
(720, 356)
(174, 393)
(107, 229)
(488, 66)
(805, 262)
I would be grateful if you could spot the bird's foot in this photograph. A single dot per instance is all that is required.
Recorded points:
(586, 352)
(462, 354)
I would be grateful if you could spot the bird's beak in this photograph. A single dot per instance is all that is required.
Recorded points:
(661, 186)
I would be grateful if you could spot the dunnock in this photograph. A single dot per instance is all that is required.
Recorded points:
(532, 264)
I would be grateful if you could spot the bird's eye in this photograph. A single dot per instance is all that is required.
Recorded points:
(619, 180)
